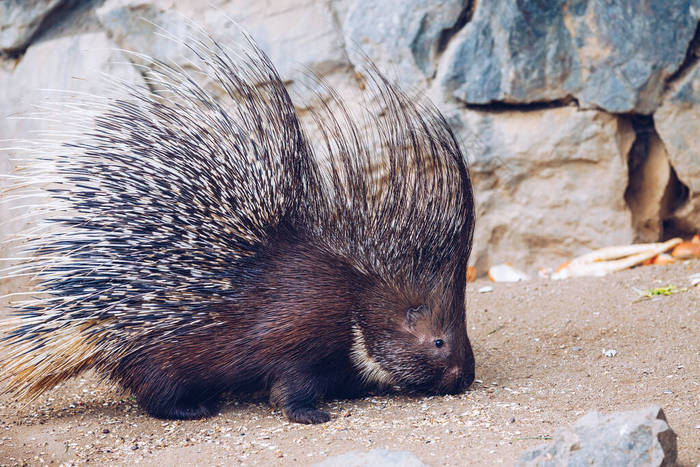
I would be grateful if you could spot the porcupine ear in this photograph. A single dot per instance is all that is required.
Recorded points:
(415, 313)
(397, 197)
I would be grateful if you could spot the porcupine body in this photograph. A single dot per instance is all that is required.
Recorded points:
(197, 248)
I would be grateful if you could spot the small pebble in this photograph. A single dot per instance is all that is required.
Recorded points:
(486, 289)
(694, 279)
(609, 352)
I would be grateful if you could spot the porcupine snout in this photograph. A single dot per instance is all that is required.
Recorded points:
(459, 375)
(457, 380)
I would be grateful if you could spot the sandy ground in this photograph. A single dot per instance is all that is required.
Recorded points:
(539, 363)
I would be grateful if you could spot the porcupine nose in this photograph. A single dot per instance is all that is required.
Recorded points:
(457, 379)
(460, 372)
(468, 375)
(453, 379)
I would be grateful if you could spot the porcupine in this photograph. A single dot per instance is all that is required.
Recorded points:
(197, 248)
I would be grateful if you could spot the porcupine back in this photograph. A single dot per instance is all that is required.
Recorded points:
(158, 208)
(153, 209)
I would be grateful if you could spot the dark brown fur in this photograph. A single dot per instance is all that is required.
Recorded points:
(289, 332)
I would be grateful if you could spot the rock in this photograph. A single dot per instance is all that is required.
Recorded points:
(20, 20)
(299, 37)
(73, 66)
(70, 65)
(534, 168)
(373, 458)
(402, 37)
(639, 438)
(677, 121)
(611, 54)
(549, 184)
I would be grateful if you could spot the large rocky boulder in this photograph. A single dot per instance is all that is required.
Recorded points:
(404, 38)
(614, 55)
(548, 183)
(641, 438)
(300, 37)
(578, 116)
(678, 122)
(21, 20)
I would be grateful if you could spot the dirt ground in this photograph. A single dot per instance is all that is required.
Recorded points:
(540, 364)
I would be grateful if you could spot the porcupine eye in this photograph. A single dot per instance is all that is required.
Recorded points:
(439, 343)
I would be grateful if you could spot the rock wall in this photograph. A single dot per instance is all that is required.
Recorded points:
(579, 118)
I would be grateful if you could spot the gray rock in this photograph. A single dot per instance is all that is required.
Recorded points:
(373, 458)
(677, 122)
(635, 438)
(298, 36)
(20, 20)
(549, 184)
(72, 66)
(401, 36)
(615, 55)
(534, 170)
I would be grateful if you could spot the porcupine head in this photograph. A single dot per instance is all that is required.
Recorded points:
(200, 246)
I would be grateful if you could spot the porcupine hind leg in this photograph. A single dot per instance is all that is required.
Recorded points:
(167, 395)
(297, 397)
(180, 402)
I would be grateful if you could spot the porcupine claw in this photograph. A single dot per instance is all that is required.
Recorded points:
(307, 415)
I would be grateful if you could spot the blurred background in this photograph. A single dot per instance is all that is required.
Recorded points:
(580, 119)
